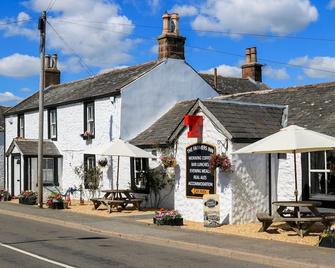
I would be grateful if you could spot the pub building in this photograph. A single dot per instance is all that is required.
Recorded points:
(193, 130)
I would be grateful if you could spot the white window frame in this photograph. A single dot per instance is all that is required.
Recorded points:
(90, 118)
(53, 123)
(326, 172)
(48, 171)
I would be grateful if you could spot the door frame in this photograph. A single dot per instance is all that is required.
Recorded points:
(13, 156)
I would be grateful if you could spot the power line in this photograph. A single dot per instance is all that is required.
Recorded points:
(51, 5)
(305, 38)
(214, 50)
(81, 61)
(14, 22)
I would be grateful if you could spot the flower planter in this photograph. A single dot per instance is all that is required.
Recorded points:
(327, 242)
(57, 205)
(27, 201)
(171, 222)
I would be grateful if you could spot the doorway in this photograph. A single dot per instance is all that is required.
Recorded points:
(16, 174)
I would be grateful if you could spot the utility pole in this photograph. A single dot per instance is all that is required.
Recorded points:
(42, 28)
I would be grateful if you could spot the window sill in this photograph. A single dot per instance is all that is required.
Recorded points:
(50, 184)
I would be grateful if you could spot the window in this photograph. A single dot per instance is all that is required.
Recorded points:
(20, 126)
(138, 178)
(52, 124)
(321, 180)
(89, 162)
(89, 122)
(48, 171)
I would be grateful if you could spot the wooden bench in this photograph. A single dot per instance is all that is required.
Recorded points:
(116, 203)
(266, 220)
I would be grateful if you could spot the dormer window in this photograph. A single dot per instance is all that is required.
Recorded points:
(20, 126)
(89, 120)
(52, 124)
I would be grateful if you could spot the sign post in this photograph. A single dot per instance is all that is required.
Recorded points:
(211, 210)
(199, 179)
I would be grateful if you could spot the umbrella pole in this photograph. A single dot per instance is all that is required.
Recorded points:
(295, 177)
(117, 174)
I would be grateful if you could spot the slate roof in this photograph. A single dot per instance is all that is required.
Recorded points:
(30, 147)
(245, 122)
(160, 131)
(106, 84)
(310, 106)
(232, 85)
(3, 109)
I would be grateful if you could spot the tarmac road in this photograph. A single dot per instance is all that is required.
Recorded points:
(27, 243)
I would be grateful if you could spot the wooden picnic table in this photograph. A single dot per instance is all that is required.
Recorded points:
(300, 215)
(118, 199)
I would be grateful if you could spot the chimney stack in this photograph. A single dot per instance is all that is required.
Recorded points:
(251, 68)
(170, 43)
(52, 74)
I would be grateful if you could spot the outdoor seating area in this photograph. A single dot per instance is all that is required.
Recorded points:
(300, 216)
(117, 199)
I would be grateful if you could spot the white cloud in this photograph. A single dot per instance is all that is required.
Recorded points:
(19, 65)
(11, 29)
(225, 70)
(277, 74)
(25, 89)
(8, 97)
(185, 10)
(154, 49)
(154, 4)
(321, 67)
(257, 16)
(93, 29)
(331, 4)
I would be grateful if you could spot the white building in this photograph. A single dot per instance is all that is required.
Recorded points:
(121, 103)
(232, 122)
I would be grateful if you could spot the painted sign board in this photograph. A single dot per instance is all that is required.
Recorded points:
(199, 179)
(211, 210)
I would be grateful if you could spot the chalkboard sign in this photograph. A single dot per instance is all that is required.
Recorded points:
(199, 180)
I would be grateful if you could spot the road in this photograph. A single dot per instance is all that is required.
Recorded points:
(49, 245)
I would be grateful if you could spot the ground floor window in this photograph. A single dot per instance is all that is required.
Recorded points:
(89, 164)
(321, 174)
(48, 170)
(138, 179)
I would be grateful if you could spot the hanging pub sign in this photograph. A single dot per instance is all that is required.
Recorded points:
(211, 210)
(199, 179)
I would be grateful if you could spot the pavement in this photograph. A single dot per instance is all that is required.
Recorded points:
(256, 251)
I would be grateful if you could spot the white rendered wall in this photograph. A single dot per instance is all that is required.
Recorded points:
(151, 96)
(190, 208)
(69, 127)
(2, 159)
(285, 178)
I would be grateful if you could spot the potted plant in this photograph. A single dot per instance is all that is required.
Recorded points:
(28, 197)
(5, 195)
(102, 162)
(168, 217)
(55, 201)
(169, 163)
(221, 161)
(327, 238)
(87, 135)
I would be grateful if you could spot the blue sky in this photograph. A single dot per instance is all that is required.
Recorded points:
(98, 35)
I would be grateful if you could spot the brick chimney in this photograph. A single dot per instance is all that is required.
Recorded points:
(52, 74)
(251, 68)
(170, 43)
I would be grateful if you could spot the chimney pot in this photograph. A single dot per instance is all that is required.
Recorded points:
(175, 23)
(166, 23)
(215, 78)
(47, 61)
(54, 61)
(251, 68)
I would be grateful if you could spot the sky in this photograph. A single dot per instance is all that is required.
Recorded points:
(295, 39)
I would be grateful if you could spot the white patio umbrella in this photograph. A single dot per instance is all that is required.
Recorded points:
(119, 148)
(292, 139)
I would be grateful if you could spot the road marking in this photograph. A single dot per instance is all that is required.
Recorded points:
(36, 256)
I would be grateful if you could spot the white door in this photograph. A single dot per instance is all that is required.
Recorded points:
(17, 175)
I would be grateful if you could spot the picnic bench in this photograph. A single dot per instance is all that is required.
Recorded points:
(117, 199)
(303, 216)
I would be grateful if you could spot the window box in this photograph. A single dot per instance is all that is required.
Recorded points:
(87, 135)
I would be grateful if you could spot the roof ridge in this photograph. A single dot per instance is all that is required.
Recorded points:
(317, 85)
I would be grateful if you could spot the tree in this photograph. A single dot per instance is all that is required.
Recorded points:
(90, 178)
